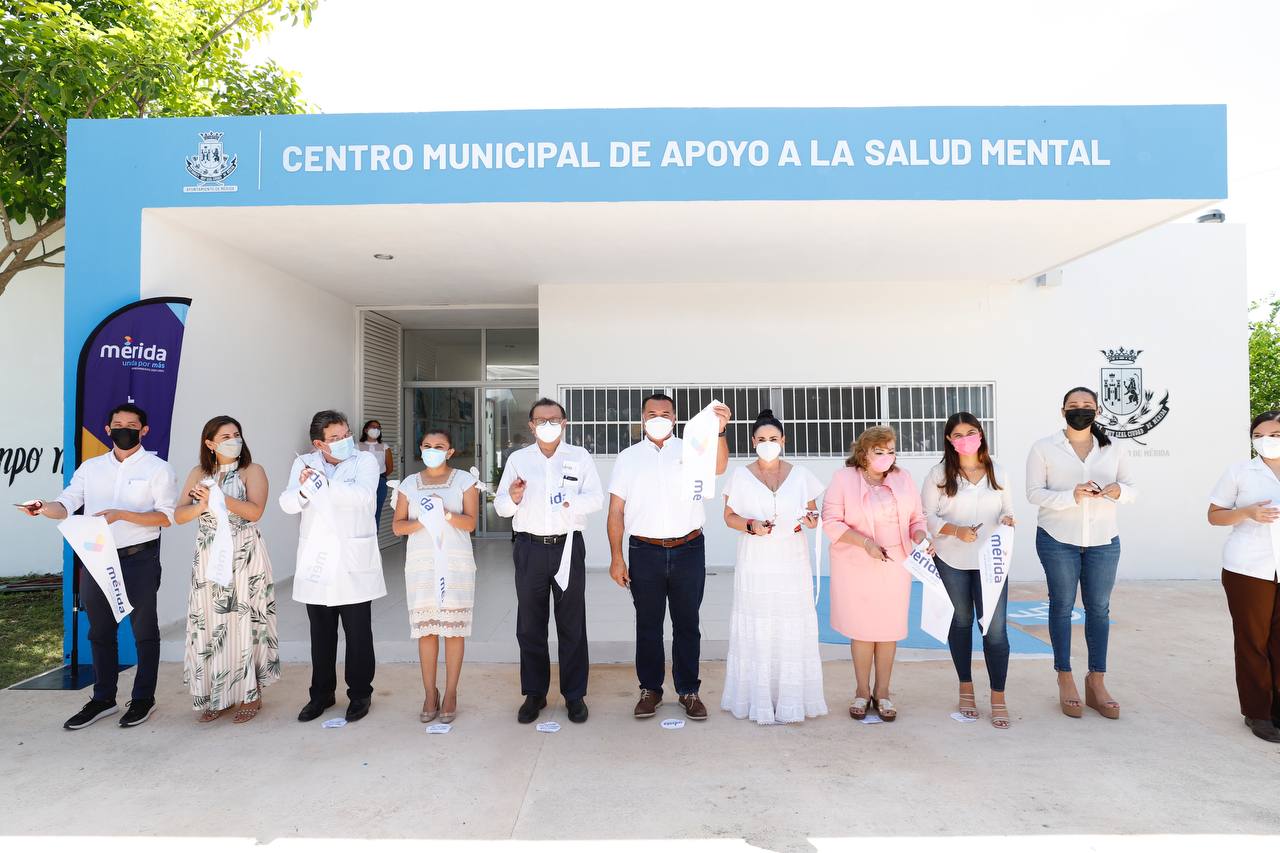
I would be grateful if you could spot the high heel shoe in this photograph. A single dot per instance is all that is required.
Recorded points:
(1109, 709)
(1074, 711)
(448, 717)
(427, 716)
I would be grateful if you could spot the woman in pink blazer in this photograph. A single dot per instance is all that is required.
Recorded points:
(872, 515)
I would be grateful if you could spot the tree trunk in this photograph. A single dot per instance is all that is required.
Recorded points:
(26, 254)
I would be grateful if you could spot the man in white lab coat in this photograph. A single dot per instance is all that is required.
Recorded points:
(339, 569)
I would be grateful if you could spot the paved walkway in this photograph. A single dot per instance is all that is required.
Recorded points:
(1179, 761)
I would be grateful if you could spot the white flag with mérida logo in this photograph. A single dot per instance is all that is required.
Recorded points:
(936, 609)
(90, 537)
(700, 444)
(993, 564)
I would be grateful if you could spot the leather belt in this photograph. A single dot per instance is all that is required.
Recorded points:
(130, 550)
(544, 540)
(670, 543)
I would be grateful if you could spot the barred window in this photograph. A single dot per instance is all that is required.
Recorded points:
(821, 420)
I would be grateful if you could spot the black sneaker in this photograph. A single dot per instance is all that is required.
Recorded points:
(528, 712)
(139, 712)
(92, 711)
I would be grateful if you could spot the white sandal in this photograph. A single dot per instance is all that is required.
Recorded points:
(858, 710)
(885, 709)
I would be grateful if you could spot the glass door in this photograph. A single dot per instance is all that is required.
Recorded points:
(506, 430)
(484, 443)
(450, 409)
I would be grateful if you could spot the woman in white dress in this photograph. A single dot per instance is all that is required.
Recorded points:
(435, 612)
(773, 673)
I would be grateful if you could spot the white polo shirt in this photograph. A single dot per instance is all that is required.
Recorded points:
(143, 482)
(1053, 472)
(545, 478)
(1250, 549)
(648, 479)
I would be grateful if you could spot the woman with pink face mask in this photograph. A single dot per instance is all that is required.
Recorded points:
(965, 501)
(872, 515)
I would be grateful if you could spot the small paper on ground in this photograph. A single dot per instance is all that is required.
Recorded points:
(439, 729)
(549, 726)
(961, 718)
(335, 723)
(673, 723)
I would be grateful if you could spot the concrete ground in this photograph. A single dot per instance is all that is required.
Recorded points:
(1178, 761)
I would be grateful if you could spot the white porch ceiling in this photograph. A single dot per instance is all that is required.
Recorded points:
(497, 254)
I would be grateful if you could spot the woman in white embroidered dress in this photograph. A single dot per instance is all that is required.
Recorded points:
(431, 614)
(774, 672)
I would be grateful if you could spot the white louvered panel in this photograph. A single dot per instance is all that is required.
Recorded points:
(380, 396)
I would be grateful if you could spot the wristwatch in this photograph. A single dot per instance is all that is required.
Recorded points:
(448, 516)
(749, 529)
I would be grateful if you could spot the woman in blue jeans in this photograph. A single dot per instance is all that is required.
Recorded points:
(964, 502)
(1077, 476)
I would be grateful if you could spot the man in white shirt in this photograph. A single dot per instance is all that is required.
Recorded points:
(548, 489)
(339, 567)
(135, 491)
(667, 563)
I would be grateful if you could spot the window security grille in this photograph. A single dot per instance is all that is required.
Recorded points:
(821, 420)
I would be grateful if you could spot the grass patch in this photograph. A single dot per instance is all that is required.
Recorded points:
(30, 634)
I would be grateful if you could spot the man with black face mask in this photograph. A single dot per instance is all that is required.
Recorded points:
(135, 491)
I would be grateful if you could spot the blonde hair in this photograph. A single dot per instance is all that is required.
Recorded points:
(871, 438)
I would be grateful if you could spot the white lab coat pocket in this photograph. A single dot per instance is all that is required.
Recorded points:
(360, 554)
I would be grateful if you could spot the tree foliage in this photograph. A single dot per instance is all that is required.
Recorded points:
(1264, 358)
(119, 59)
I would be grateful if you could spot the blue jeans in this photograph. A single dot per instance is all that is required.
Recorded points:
(1093, 570)
(381, 500)
(965, 589)
(660, 576)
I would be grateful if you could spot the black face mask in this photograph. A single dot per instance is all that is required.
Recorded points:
(1080, 418)
(125, 438)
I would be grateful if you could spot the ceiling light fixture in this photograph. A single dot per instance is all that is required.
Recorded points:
(382, 256)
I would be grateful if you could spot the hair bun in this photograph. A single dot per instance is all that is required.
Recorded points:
(765, 414)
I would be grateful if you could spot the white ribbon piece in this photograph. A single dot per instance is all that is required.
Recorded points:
(218, 569)
(936, 609)
(323, 549)
(817, 560)
(698, 455)
(90, 537)
(993, 562)
(570, 486)
(431, 514)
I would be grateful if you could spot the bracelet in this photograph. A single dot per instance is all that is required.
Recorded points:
(749, 530)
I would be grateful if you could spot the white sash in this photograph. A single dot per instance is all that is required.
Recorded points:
(90, 537)
(218, 568)
(431, 514)
(698, 455)
(323, 549)
(570, 487)
(993, 562)
(936, 610)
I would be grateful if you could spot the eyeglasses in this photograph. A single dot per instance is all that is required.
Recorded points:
(543, 421)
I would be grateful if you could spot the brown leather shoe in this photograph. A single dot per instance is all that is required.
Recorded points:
(693, 707)
(648, 704)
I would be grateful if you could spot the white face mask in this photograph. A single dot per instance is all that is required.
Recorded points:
(769, 450)
(658, 428)
(230, 448)
(549, 433)
(373, 433)
(1268, 446)
(343, 448)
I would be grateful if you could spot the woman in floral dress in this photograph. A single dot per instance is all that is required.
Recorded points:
(233, 650)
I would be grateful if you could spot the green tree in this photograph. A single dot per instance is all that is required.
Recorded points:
(118, 59)
(1264, 358)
